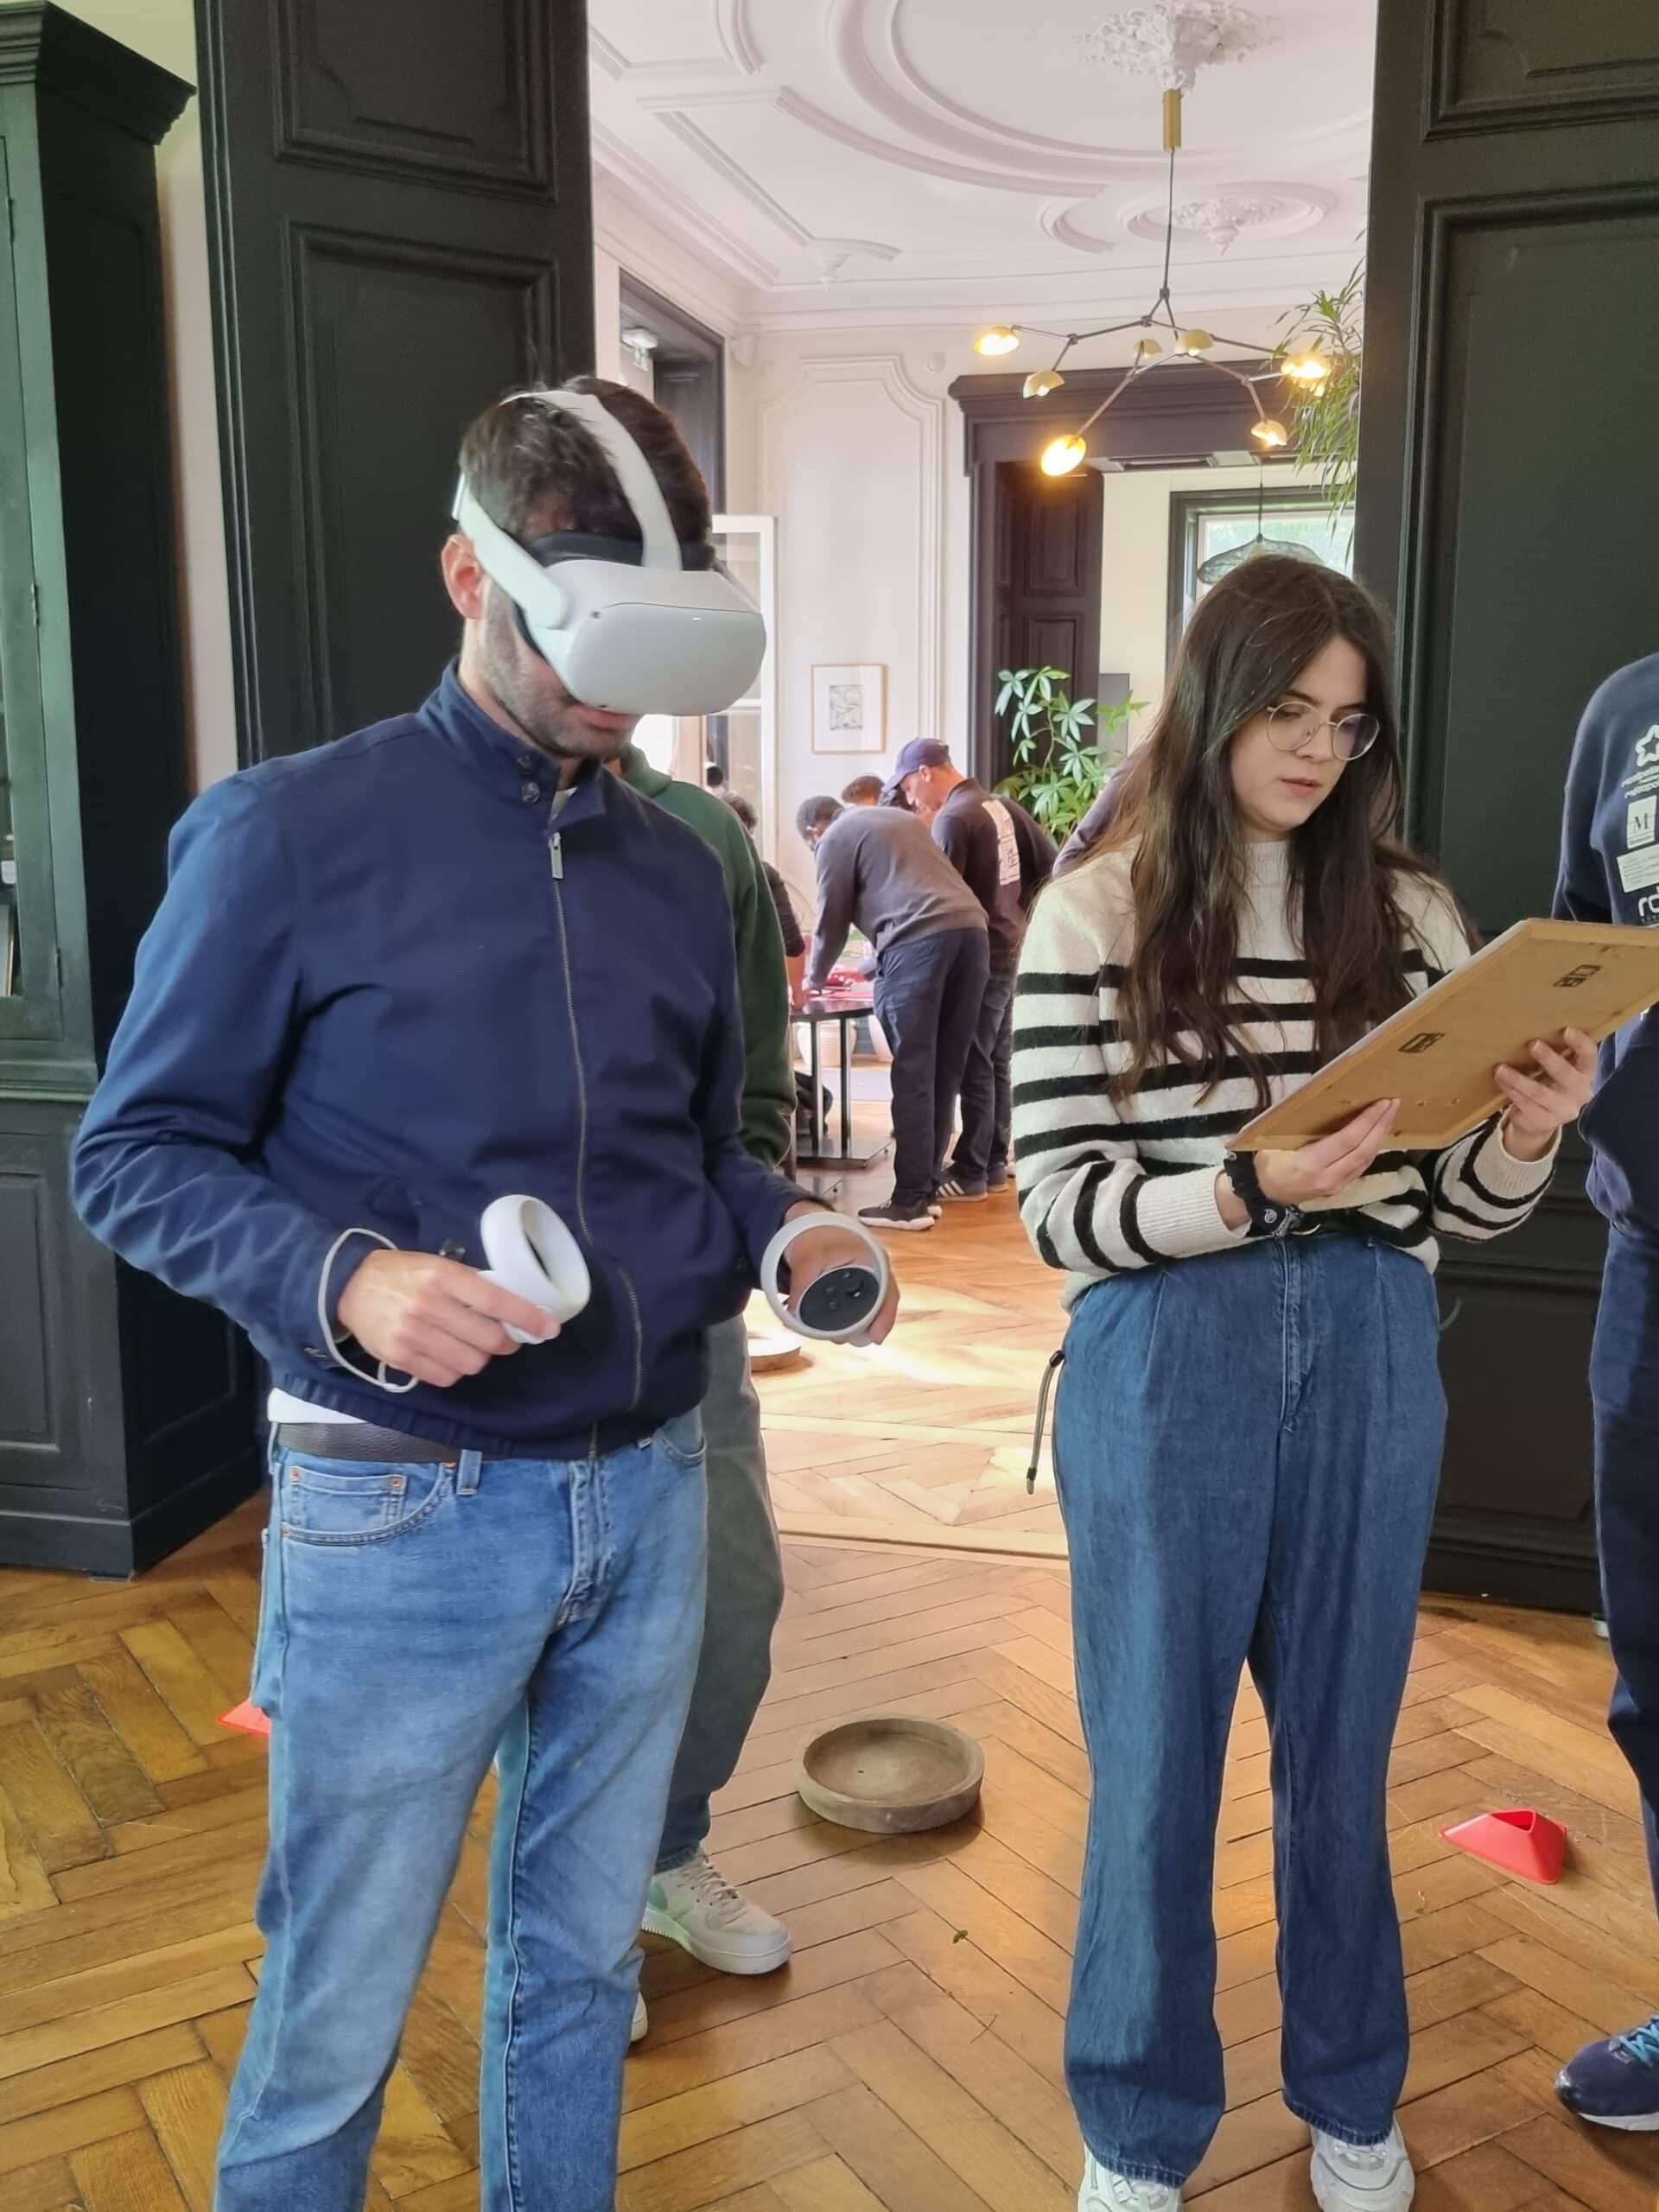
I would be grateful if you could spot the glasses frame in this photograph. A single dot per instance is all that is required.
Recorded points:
(1285, 708)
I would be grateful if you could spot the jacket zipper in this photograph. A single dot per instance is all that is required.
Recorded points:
(555, 860)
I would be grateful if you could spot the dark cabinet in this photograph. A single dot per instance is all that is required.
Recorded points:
(1509, 476)
(125, 1412)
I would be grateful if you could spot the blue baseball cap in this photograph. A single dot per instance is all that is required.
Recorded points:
(920, 752)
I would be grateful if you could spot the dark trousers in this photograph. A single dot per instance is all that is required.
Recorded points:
(987, 1112)
(927, 999)
(1625, 1384)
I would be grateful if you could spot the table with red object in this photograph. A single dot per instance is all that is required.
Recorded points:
(845, 1006)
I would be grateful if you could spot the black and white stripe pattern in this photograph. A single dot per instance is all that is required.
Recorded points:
(1106, 1188)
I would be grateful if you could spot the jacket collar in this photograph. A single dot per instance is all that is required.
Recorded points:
(509, 764)
(639, 774)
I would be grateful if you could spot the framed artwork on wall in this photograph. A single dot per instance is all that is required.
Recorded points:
(848, 708)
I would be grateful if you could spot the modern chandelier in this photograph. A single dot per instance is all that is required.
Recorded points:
(1175, 40)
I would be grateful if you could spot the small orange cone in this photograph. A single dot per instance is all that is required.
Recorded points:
(246, 1717)
(1524, 1842)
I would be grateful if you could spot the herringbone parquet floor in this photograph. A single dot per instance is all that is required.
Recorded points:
(910, 2057)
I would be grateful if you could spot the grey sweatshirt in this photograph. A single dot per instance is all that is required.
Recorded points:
(879, 867)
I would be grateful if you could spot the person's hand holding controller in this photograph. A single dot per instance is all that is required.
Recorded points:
(830, 1247)
(434, 1318)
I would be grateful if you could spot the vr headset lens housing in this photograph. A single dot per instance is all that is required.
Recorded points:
(630, 629)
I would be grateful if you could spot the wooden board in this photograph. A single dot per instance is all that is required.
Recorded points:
(1437, 1055)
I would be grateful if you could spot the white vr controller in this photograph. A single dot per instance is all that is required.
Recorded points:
(532, 1254)
(839, 1305)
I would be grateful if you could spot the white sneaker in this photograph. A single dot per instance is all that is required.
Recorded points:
(1361, 2177)
(641, 2026)
(697, 1908)
(1104, 2191)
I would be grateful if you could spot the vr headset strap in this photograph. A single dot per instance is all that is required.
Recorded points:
(633, 473)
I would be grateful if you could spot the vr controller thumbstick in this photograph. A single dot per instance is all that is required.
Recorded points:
(839, 1305)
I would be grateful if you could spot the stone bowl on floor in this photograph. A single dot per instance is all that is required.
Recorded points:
(890, 1773)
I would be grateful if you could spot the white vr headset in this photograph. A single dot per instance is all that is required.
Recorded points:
(656, 628)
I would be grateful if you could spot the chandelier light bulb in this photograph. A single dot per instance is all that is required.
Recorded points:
(1148, 349)
(1000, 340)
(1061, 458)
(1041, 381)
(1195, 342)
(1269, 433)
(1306, 365)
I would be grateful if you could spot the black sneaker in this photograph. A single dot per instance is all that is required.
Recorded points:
(912, 1219)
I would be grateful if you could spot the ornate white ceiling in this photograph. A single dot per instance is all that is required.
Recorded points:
(905, 161)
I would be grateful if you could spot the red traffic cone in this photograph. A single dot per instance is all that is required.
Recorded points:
(246, 1717)
(1523, 1842)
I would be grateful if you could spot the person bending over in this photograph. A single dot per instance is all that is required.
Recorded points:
(879, 869)
(1248, 1436)
(450, 960)
(1004, 856)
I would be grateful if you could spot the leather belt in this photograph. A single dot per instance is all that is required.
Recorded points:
(355, 1440)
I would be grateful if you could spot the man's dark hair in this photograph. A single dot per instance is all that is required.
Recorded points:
(745, 813)
(534, 469)
(864, 791)
(714, 775)
(815, 814)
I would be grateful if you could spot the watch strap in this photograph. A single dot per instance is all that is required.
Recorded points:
(1269, 1217)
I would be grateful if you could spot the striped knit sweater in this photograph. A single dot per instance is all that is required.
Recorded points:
(1106, 1188)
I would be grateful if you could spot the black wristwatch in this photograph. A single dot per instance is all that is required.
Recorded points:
(1269, 1217)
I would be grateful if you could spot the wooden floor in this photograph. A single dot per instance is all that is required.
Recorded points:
(910, 2057)
(927, 1438)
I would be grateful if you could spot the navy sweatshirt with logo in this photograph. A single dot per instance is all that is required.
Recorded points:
(399, 977)
(1609, 871)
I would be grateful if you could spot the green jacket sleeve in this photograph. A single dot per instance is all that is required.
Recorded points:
(763, 994)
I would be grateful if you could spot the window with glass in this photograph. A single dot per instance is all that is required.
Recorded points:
(1205, 525)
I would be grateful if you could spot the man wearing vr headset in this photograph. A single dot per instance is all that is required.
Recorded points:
(393, 979)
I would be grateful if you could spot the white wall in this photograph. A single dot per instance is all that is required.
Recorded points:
(1134, 568)
(164, 32)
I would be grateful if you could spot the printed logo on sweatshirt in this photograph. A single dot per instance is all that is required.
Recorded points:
(1647, 748)
(1639, 871)
(1645, 764)
(1640, 820)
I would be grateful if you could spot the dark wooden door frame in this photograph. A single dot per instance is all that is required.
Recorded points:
(1170, 418)
(398, 234)
(688, 368)
(1515, 176)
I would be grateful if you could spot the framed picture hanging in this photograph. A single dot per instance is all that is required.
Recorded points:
(848, 708)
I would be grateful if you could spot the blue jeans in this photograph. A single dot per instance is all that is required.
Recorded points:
(414, 1619)
(746, 1595)
(1624, 1384)
(1248, 1447)
(928, 992)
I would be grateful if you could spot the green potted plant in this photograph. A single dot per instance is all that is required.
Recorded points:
(1324, 416)
(1064, 748)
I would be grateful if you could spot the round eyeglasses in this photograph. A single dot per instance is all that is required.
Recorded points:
(1292, 727)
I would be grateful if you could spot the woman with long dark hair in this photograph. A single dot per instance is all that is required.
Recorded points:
(1248, 1431)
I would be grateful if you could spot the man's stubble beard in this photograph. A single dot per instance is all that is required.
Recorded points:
(523, 682)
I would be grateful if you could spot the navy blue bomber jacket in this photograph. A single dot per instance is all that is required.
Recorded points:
(1610, 872)
(389, 983)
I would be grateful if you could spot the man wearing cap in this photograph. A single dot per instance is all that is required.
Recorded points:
(1005, 858)
(879, 867)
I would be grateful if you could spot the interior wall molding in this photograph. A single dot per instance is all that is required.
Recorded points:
(737, 36)
(653, 200)
(887, 375)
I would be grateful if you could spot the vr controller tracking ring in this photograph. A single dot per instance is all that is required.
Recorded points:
(839, 1305)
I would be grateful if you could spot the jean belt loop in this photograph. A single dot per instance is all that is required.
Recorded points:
(472, 1464)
